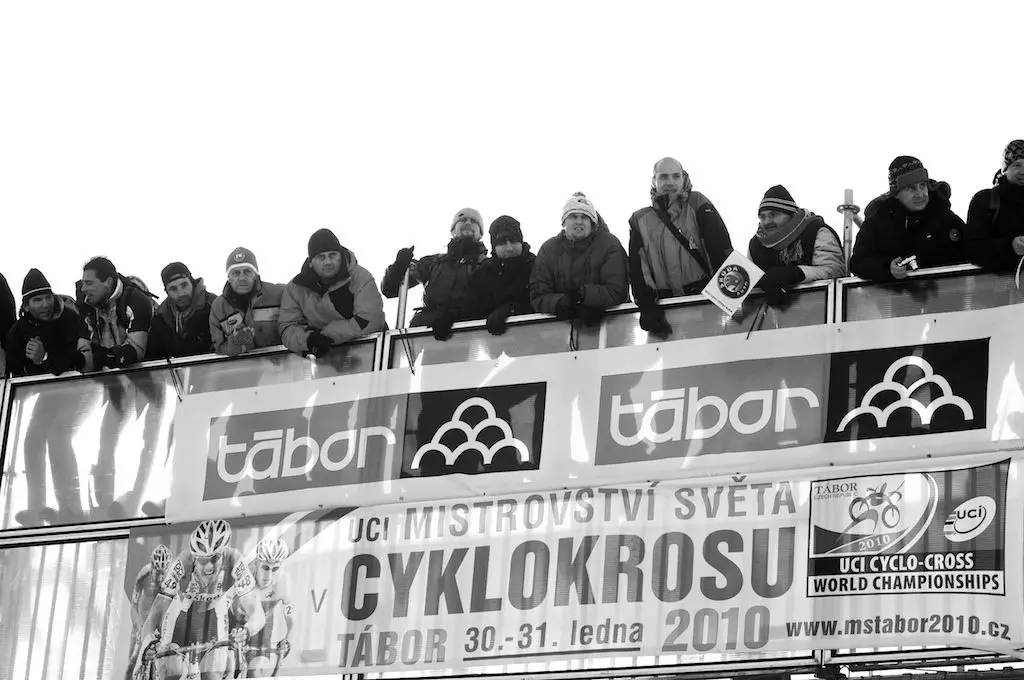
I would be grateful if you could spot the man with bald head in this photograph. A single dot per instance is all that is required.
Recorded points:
(675, 244)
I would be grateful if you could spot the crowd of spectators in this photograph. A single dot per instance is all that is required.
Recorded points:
(675, 245)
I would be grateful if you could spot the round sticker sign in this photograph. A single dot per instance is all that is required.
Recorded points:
(734, 281)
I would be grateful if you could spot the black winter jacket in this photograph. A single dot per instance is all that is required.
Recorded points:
(8, 308)
(498, 283)
(445, 278)
(990, 244)
(58, 335)
(935, 235)
(165, 340)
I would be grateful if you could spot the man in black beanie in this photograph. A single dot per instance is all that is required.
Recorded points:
(330, 301)
(501, 285)
(45, 339)
(181, 324)
(913, 227)
(792, 245)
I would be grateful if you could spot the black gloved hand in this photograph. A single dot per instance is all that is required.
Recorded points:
(403, 259)
(102, 357)
(443, 326)
(777, 280)
(591, 315)
(318, 344)
(576, 297)
(497, 320)
(652, 320)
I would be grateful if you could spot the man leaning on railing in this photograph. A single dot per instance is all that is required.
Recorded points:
(445, 276)
(912, 226)
(995, 220)
(330, 301)
(792, 246)
(675, 244)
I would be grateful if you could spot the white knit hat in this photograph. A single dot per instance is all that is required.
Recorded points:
(579, 203)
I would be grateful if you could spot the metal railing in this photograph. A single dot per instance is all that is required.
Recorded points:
(60, 577)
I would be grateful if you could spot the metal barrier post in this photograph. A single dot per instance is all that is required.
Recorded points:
(403, 295)
(850, 212)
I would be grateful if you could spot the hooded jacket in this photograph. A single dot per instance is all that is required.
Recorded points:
(259, 312)
(597, 263)
(499, 282)
(660, 266)
(445, 277)
(59, 335)
(121, 321)
(349, 308)
(182, 334)
(8, 308)
(990, 243)
(806, 241)
(935, 235)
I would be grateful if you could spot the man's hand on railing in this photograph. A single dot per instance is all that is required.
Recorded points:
(778, 280)
(103, 357)
(497, 320)
(652, 320)
(443, 326)
(897, 268)
(1018, 245)
(591, 315)
(318, 344)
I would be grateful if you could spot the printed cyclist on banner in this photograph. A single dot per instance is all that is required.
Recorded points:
(145, 591)
(208, 587)
(268, 647)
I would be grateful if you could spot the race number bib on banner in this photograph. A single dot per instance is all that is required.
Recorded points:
(669, 573)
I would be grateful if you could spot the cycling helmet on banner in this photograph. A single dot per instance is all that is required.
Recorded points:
(161, 558)
(210, 538)
(272, 551)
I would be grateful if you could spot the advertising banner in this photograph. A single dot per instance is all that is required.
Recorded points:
(860, 392)
(713, 569)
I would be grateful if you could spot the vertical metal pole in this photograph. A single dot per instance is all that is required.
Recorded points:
(847, 227)
(403, 295)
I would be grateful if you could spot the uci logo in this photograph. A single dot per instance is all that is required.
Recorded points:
(970, 519)
(734, 281)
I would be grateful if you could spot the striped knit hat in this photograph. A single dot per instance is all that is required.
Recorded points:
(35, 284)
(1014, 152)
(777, 198)
(905, 171)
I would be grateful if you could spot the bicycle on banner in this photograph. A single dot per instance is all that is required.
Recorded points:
(208, 602)
(187, 662)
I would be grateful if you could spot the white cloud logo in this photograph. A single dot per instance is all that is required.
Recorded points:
(889, 384)
(472, 434)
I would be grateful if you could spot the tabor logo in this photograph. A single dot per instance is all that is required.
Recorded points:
(473, 436)
(910, 390)
(734, 281)
(328, 444)
(288, 455)
(969, 519)
(474, 431)
(706, 415)
(905, 395)
(750, 405)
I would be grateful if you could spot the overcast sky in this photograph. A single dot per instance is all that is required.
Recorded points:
(152, 132)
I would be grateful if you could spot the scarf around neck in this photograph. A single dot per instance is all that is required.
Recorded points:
(778, 237)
